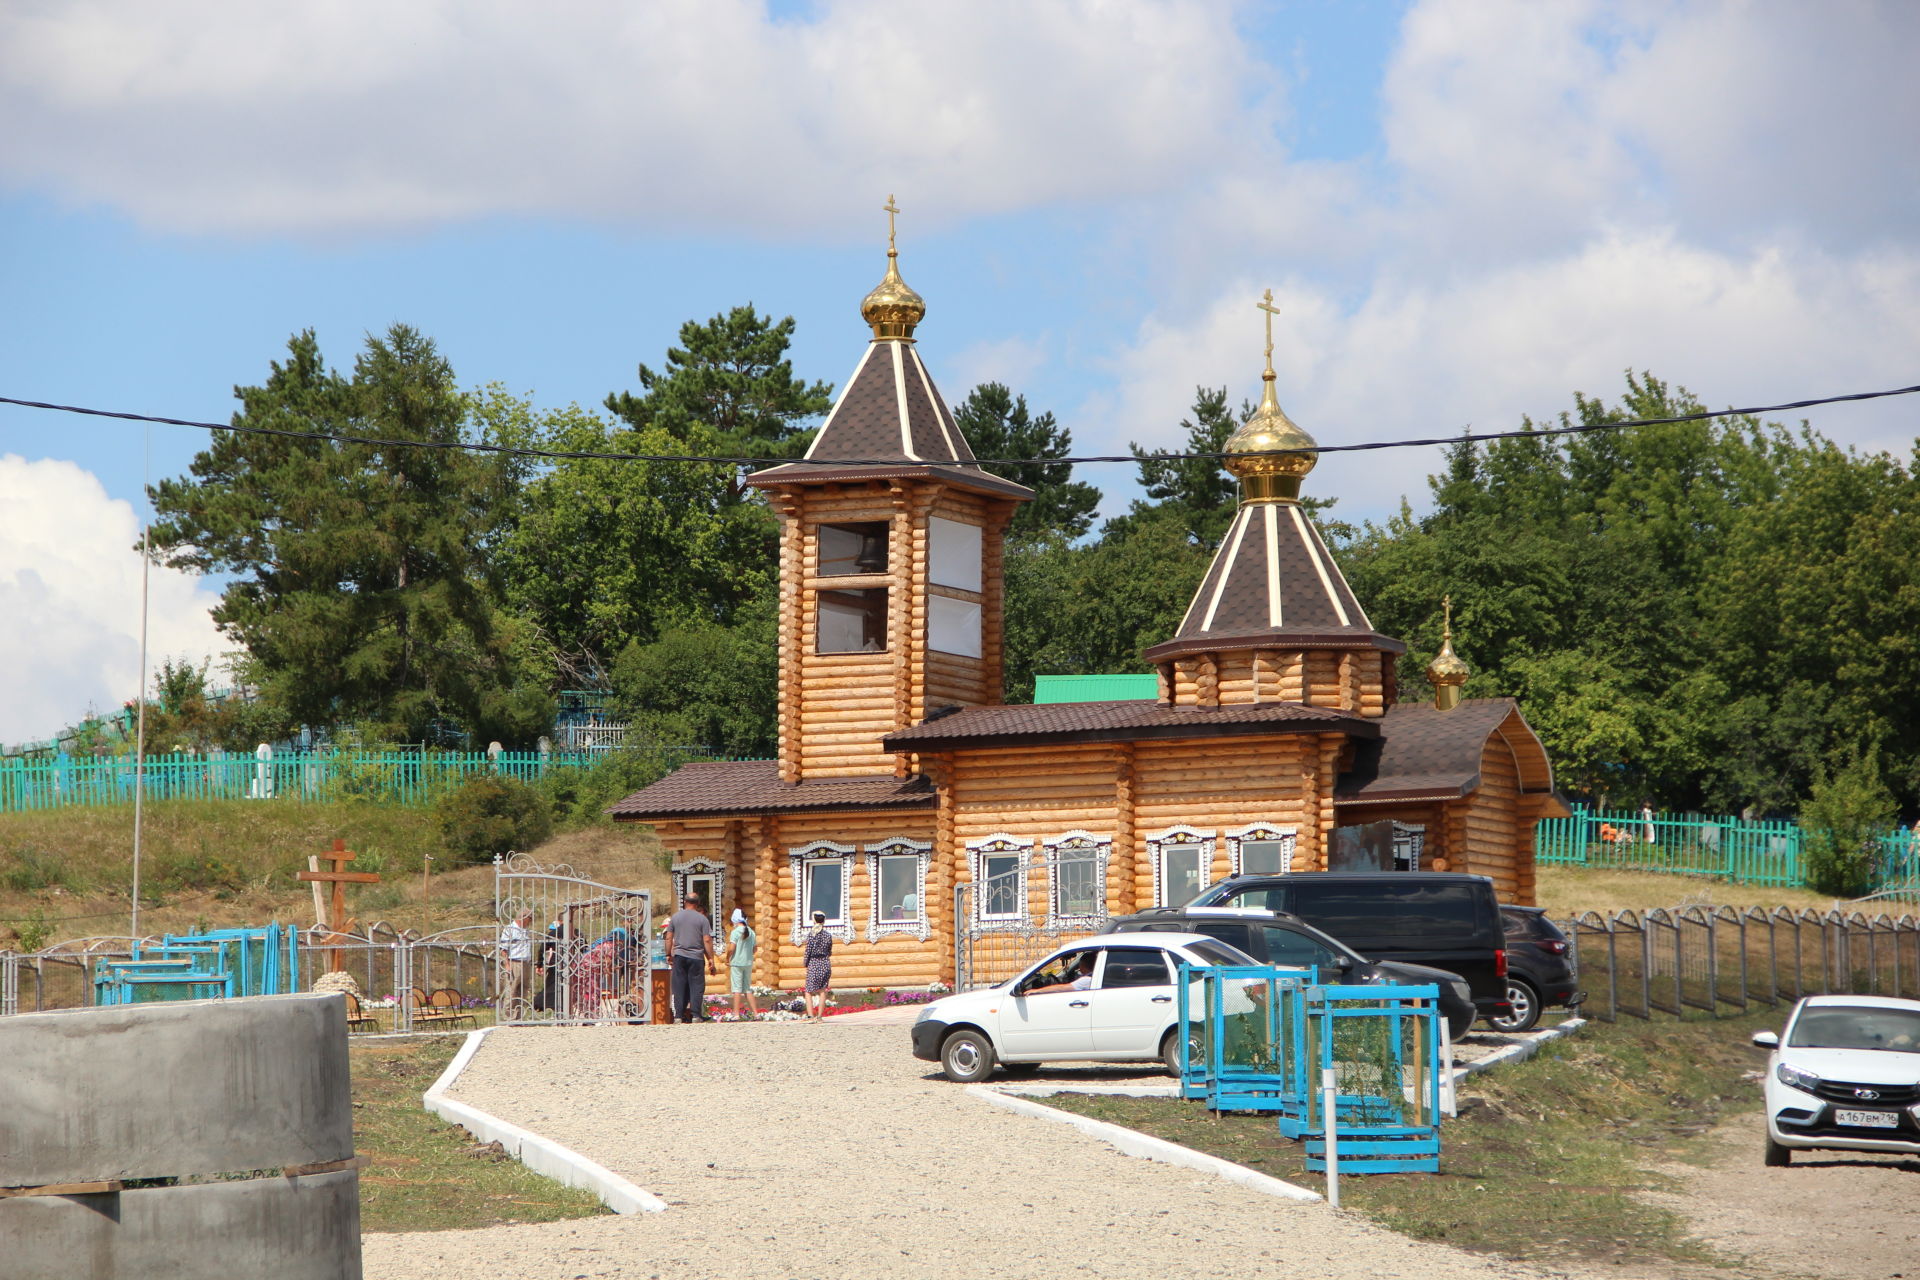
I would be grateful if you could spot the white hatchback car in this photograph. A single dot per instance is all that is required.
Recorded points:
(1109, 998)
(1845, 1076)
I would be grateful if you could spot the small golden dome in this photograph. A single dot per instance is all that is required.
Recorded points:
(1270, 453)
(1446, 673)
(893, 308)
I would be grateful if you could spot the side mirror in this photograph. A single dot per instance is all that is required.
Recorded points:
(1766, 1039)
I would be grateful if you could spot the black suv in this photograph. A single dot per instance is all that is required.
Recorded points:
(1275, 939)
(1540, 972)
(1441, 919)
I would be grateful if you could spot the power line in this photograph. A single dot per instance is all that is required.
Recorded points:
(592, 455)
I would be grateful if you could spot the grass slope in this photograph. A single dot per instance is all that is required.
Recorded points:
(1547, 1156)
(67, 873)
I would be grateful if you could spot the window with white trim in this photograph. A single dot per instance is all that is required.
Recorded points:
(1182, 861)
(1260, 849)
(706, 880)
(897, 879)
(1077, 877)
(823, 881)
(999, 866)
(1409, 844)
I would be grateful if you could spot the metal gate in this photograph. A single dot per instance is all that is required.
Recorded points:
(590, 947)
(990, 950)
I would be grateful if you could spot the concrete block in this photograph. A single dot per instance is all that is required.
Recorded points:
(170, 1090)
(285, 1228)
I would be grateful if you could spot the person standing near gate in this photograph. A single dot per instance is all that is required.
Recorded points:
(740, 947)
(516, 952)
(690, 939)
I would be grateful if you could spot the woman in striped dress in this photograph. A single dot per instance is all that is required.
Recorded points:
(819, 957)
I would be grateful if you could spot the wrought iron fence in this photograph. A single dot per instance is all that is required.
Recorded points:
(991, 951)
(589, 946)
(1720, 958)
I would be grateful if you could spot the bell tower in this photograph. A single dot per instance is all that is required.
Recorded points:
(891, 535)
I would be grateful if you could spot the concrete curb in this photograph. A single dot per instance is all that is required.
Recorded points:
(1092, 1090)
(1134, 1143)
(1518, 1052)
(542, 1155)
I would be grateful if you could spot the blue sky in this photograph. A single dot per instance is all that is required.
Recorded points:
(1467, 210)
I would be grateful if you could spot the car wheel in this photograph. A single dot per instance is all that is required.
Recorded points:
(1525, 1010)
(1777, 1156)
(1170, 1051)
(967, 1056)
(1021, 1070)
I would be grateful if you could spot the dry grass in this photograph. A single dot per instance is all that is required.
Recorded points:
(1567, 890)
(67, 873)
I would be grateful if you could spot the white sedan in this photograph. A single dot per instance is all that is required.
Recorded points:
(1109, 998)
(1845, 1076)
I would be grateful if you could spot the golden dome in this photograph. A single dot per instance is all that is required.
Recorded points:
(893, 308)
(1446, 673)
(1270, 453)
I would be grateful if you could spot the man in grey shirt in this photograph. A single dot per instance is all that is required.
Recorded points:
(690, 940)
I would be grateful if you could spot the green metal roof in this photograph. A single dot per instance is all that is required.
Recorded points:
(1121, 688)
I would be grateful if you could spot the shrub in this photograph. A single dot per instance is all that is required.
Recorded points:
(1841, 819)
(489, 814)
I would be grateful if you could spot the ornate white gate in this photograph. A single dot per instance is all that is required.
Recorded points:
(589, 946)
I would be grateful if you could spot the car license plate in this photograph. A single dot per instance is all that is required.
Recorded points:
(1868, 1119)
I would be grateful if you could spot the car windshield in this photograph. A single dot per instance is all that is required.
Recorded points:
(1211, 896)
(1214, 951)
(1852, 1026)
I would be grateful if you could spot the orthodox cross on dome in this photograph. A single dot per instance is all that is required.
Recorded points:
(1266, 305)
(891, 209)
(1446, 615)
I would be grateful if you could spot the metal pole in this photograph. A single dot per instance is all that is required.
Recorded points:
(1333, 1142)
(140, 731)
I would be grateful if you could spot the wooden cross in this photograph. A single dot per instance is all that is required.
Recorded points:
(891, 209)
(1266, 305)
(339, 878)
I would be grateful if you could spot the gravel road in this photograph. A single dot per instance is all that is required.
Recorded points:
(1835, 1215)
(799, 1150)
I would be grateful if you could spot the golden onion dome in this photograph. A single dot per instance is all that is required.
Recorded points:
(1446, 673)
(893, 308)
(1270, 453)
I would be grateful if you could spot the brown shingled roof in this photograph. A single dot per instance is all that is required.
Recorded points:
(890, 412)
(1273, 583)
(1427, 754)
(975, 727)
(719, 788)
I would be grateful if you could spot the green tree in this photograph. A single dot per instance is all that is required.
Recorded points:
(1845, 809)
(702, 684)
(731, 378)
(1197, 493)
(997, 424)
(360, 592)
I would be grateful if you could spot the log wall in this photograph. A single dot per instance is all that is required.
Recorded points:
(1491, 827)
(1346, 679)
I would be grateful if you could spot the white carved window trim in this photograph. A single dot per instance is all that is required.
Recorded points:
(1097, 849)
(682, 872)
(1178, 837)
(920, 851)
(978, 851)
(1289, 838)
(807, 855)
(1413, 837)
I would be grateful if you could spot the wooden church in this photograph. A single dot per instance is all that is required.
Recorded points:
(1276, 743)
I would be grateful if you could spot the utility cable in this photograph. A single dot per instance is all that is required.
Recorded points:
(569, 455)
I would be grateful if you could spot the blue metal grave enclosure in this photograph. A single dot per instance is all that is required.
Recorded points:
(200, 966)
(1261, 1039)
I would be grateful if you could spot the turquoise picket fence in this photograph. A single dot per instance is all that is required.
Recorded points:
(1726, 848)
(399, 777)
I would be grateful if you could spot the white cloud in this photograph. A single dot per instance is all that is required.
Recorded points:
(367, 115)
(1426, 359)
(70, 594)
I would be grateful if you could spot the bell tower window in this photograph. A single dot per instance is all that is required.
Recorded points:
(853, 621)
(850, 549)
